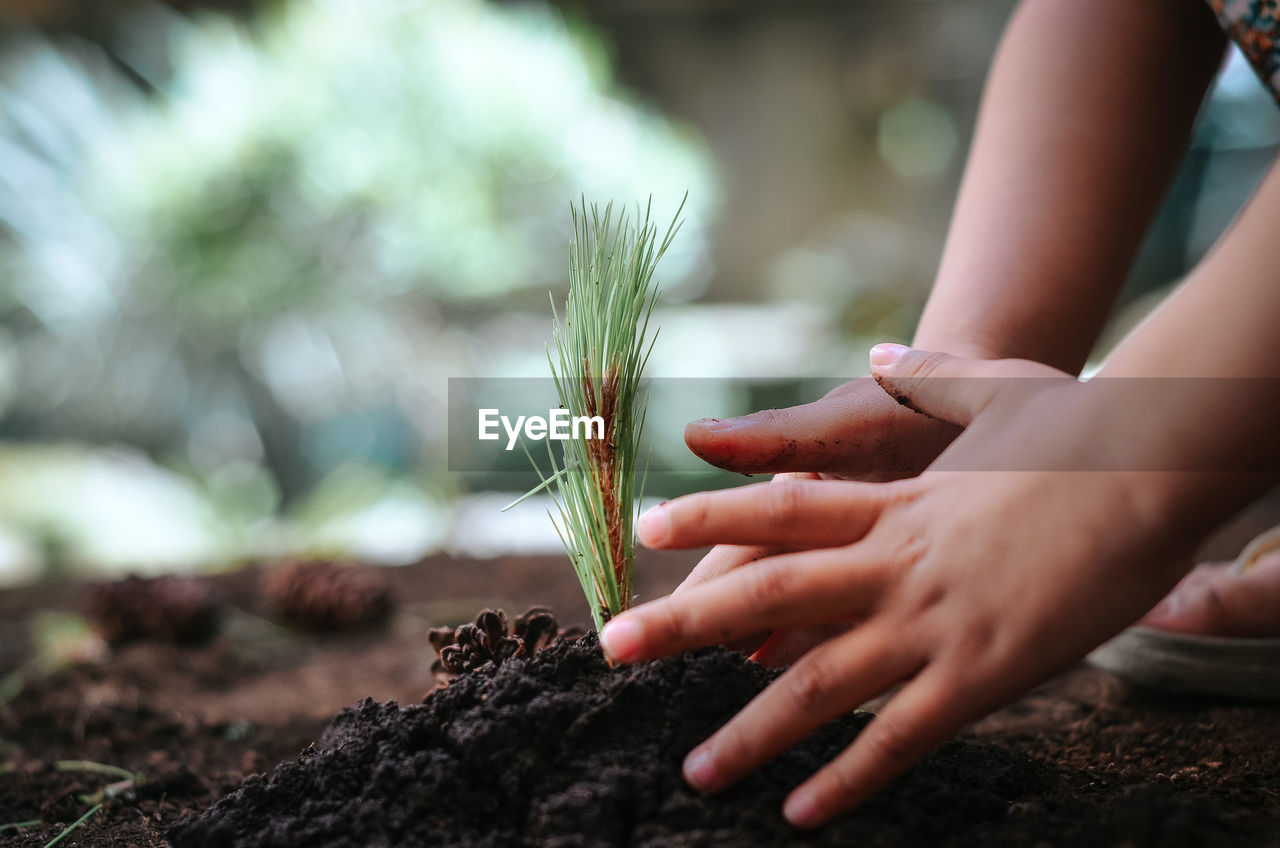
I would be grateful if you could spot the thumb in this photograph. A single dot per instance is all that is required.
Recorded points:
(953, 388)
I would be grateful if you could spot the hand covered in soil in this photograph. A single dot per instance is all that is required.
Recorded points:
(855, 432)
(969, 584)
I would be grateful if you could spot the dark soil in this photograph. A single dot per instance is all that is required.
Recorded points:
(561, 750)
(185, 764)
(531, 754)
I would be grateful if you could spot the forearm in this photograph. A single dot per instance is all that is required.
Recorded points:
(1221, 322)
(1087, 111)
(1214, 352)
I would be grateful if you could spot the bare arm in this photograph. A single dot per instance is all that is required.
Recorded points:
(1221, 322)
(1214, 344)
(1087, 111)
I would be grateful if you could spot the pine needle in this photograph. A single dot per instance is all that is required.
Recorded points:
(71, 827)
(96, 768)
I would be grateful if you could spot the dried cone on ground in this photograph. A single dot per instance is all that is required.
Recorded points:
(326, 596)
(472, 646)
(170, 609)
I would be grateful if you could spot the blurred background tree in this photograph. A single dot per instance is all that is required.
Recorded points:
(244, 245)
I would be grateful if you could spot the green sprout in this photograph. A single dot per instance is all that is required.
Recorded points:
(601, 350)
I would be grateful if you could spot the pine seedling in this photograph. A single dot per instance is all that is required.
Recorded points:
(601, 348)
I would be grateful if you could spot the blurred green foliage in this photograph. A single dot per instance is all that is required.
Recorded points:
(267, 254)
(251, 251)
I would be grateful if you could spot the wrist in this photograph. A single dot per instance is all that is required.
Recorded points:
(969, 346)
(1190, 451)
(1056, 346)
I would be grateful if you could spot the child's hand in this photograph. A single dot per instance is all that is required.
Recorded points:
(968, 586)
(855, 432)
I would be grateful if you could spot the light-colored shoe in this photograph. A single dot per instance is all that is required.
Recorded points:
(1203, 665)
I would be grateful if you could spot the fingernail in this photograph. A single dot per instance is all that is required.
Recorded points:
(721, 425)
(699, 770)
(654, 527)
(801, 809)
(887, 354)
(620, 639)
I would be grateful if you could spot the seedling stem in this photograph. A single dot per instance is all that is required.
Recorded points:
(601, 349)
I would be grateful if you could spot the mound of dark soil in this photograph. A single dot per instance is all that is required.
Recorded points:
(561, 750)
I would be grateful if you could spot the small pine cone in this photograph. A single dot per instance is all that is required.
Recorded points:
(492, 629)
(326, 596)
(441, 636)
(537, 628)
(487, 640)
(171, 609)
(476, 645)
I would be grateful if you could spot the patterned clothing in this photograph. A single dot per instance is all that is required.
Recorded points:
(1255, 26)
